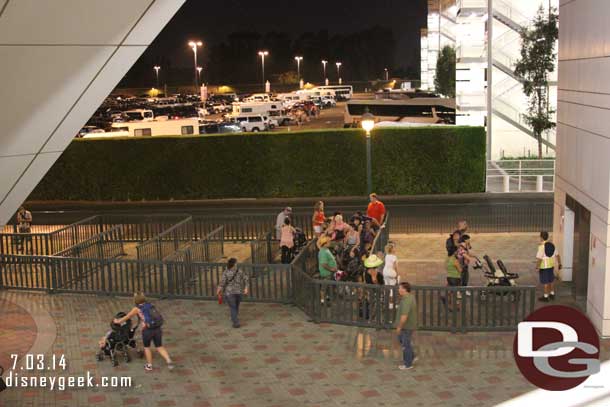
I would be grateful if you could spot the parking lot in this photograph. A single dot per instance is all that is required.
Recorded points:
(328, 118)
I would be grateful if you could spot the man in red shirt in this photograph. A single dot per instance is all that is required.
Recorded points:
(376, 210)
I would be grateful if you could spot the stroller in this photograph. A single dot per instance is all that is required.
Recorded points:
(119, 340)
(497, 277)
(300, 241)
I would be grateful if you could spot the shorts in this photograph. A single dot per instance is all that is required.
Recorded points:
(547, 276)
(155, 335)
(317, 228)
(454, 281)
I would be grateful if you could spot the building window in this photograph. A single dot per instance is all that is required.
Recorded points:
(142, 132)
(246, 110)
(187, 130)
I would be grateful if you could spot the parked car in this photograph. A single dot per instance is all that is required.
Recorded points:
(252, 123)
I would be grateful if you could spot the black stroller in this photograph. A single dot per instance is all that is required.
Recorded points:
(119, 340)
(498, 277)
(300, 241)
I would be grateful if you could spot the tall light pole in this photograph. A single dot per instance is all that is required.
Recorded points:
(339, 70)
(367, 121)
(156, 68)
(199, 69)
(324, 62)
(386, 74)
(263, 54)
(298, 59)
(194, 45)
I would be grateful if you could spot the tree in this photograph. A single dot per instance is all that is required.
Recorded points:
(444, 82)
(536, 64)
(288, 78)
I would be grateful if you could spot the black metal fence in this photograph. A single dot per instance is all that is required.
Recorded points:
(262, 248)
(105, 245)
(167, 242)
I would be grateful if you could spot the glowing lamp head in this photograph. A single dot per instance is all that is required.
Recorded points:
(367, 121)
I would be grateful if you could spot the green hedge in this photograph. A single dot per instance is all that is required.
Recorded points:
(424, 160)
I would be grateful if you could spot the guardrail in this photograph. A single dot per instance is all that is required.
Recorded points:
(261, 249)
(166, 242)
(51, 242)
(105, 245)
(520, 176)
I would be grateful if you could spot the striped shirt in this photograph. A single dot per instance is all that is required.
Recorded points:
(233, 281)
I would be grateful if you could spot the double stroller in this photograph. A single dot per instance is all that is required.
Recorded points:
(497, 277)
(118, 341)
(300, 241)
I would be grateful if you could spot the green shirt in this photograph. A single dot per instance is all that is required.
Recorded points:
(326, 257)
(452, 270)
(407, 307)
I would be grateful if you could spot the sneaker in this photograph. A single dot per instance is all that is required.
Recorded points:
(170, 366)
(148, 367)
(552, 296)
(468, 294)
(403, 367)
(544, 299)
(459, 295)
(236, 325)
(414, 360)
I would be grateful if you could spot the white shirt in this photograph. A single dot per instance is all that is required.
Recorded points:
(390, 276)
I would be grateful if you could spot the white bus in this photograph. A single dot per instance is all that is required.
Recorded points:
(178, 127)
(340, 92)
(419, 110)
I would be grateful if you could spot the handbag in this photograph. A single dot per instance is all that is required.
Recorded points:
(225, 286)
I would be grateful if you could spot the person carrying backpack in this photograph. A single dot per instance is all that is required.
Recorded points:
(151, 329)
(545, 264)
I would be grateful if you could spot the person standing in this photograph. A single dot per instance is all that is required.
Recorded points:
(376, 210)
(390, 267)
(24, 227)
(318, 218)
(151, 329)
(287, 241)
(454, 276)
(406, 324)
(233, 286)
(279, 222)
(545, 264)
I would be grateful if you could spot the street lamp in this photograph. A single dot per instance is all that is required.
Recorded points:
(194, 45)
(298, 59)
(156, 68)
(199, 69)
(339, 70)
(263, 54)
(367, 121)
(386, 74)
(324, 62)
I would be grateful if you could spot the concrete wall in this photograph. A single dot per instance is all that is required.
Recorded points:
(58, 60)
(583, 138)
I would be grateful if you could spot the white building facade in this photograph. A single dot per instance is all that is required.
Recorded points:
(581, 226)
(487, 91)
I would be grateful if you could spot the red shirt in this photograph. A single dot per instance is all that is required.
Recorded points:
(376, 210)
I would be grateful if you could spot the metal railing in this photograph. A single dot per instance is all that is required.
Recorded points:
(167, 242)
(48, 243)
(105, 245)
(520, 176)
(262, 249)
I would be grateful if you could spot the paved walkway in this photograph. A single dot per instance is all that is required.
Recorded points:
(277, 358)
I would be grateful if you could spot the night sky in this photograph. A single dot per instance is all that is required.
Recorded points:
(212, 22)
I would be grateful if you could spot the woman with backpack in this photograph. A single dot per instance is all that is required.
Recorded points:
(233, 284)
(151, 329)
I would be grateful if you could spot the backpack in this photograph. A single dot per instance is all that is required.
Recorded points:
(549, 249)
(450, 245)
(152, 316)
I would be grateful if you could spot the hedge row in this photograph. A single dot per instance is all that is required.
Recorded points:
(425, 160)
